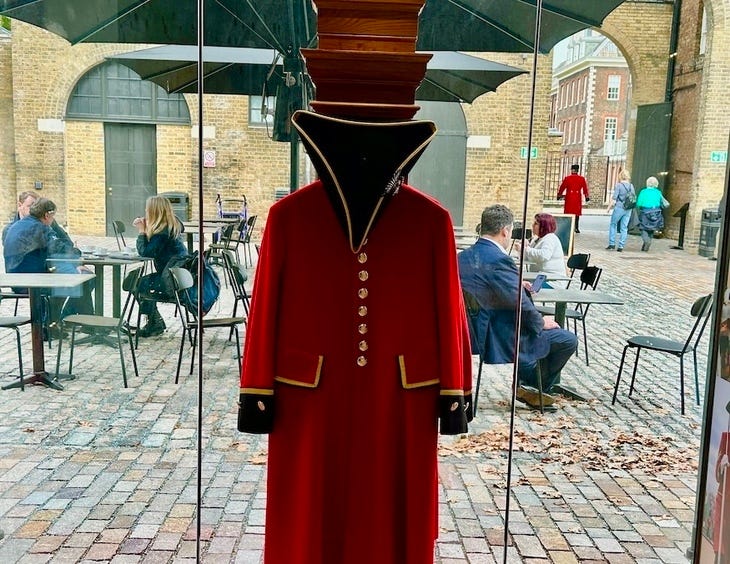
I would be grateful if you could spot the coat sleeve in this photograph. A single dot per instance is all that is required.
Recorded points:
(585, 188)
(455, 402)
(256, 399)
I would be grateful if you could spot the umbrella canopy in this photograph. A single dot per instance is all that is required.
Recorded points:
(287, 25)
(450, 76)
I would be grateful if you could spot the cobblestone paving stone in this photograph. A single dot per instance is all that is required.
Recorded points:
(100, 473)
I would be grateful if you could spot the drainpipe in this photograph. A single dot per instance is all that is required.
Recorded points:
(673, 41)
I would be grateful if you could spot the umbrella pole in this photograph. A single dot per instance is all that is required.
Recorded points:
(520, 292)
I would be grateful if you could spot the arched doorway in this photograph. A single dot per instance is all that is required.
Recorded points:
(130, 109)
(445, 183)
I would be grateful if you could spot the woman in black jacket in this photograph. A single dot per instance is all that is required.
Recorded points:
(158, 238)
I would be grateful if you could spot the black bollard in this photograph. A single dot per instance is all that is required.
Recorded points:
(681, 213)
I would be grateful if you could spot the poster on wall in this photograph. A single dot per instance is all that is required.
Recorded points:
(712, 519)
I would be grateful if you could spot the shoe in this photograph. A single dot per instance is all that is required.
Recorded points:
(577, 230)
(611, 248)
(531, 397)
(620, 250)
(155, 326)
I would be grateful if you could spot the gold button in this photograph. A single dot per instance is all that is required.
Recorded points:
(363, 275)
(362, 293)
(362, 328)
(362, 345)
(362, 258)
(361, 361)
(362, 311)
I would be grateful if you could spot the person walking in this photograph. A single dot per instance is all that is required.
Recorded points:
(572, 189)
(650, 203)
(622, 202)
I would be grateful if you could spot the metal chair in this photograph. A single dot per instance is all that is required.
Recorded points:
(119, 229)
(701, 310)
(102, 323)
(577, 261)
(247, 256)
(14, 322)
(472, 310)
(589, 278)
(237, 276)
(182, 280)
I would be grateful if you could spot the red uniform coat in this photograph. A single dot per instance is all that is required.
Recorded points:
(721, 509)
(574, 186)
(352, 353)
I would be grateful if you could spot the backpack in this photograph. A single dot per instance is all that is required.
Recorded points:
(629, 201)
(211, 282)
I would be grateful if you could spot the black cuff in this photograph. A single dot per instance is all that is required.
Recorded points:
(453, 414)
(255, 413)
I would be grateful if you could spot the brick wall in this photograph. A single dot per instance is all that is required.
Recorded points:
(7, 139)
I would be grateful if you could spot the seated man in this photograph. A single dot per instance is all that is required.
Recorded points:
(490, 275)
(31, 240)
(25, 200)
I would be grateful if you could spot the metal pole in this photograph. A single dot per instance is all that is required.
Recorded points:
(199, 332)
(518, 309)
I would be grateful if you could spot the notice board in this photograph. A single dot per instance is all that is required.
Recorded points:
(565, 231)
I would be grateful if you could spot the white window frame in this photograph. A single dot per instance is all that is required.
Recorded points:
(610, 128)
(255, 119)
(613, 91)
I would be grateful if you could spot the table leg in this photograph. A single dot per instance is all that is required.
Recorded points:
(189, 235)
(560, 308)
(99, 289)
(116, 290)
(39, 376)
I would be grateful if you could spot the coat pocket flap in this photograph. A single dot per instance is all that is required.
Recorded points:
(416, 372)
(299, 368)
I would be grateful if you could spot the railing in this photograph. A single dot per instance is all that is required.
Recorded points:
(601, 172)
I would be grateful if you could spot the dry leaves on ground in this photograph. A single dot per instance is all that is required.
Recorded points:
(563, 443)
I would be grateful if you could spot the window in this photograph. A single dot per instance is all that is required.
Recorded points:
(113, 92)
(614, 86)
(261, 110)
(609, 130)
(703, 32)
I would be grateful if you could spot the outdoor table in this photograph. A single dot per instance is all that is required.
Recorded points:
(530, 277)
(561, 298)
(209, 226)
(116, 261)
(36, 282)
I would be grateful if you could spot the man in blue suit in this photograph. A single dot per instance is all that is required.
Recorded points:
(491, 276)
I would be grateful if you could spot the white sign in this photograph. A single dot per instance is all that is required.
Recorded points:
(209, 159)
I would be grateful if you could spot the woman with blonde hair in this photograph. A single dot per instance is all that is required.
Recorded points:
(622, 202)
(159, 232)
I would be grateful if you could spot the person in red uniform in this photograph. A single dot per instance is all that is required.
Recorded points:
(357, 351)
(572, 189)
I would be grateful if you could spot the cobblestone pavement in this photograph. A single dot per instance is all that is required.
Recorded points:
(100, 473)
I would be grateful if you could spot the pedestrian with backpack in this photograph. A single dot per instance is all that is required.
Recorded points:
(623, 202)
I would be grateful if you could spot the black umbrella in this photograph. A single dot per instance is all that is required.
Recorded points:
(450, 76)
(287, 25)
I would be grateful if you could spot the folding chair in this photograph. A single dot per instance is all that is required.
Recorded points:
(102, 323)
(701, 310)
(472, 310)
(577, 261)
(182, 280)
(119, 229)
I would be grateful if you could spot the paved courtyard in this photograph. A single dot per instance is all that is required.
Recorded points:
(100, 473)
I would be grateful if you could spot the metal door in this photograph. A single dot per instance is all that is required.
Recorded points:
(131, 171)
(441, 170)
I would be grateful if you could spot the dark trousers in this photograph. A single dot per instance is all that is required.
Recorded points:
(563, 345)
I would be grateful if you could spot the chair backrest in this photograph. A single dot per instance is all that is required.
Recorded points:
(701, 310)
(237, 276)
(129, 285)
(182, 280)
(589, 277)
(119, 229)
(577, 261)
(250, 223)
(227, 235)
(472, 310)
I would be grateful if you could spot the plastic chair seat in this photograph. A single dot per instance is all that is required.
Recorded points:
(657, 344)
(95, 321)
(14, 321)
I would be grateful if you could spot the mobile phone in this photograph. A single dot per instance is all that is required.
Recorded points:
(538, 282)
